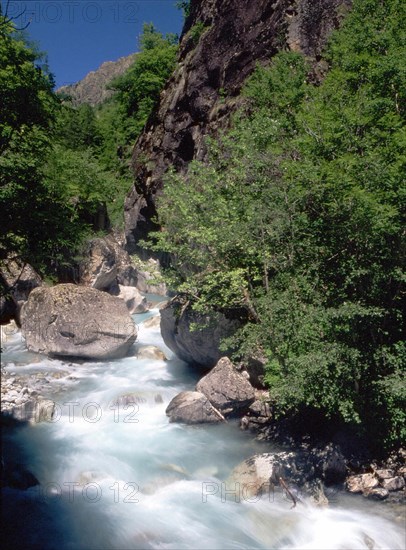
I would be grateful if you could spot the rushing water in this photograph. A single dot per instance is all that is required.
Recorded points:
(125, 478)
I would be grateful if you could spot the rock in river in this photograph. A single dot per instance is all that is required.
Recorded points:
(77, 321)
(226, 388)
(191, 407)
(194, 337)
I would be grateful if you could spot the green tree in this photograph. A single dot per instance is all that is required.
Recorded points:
(76, 128)
(46, 192)
(120, 120)
(299, 217)
(139, 88)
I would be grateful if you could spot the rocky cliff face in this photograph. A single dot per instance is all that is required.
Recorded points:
(92, 89)
(222, 41)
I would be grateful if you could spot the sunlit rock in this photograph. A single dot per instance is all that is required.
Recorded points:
(153, 322)
(191, 407)
(133, 299)
(227, 389)
(76, 321)
(151, 352)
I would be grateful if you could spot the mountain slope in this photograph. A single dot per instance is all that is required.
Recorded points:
(92, 89)
(221, 43)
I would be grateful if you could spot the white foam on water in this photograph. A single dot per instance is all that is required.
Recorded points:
(117, 476)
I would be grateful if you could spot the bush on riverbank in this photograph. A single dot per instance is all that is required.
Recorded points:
(297, 216)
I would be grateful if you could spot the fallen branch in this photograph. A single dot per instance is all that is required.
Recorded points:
(288, 491)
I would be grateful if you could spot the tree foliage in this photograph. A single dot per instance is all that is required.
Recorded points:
(35, 221)
(299, 216)
(120, 120)
(139, 88)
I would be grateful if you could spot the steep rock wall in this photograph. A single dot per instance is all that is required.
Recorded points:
(221, 44)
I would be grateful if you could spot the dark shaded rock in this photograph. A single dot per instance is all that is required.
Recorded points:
(8, 308)
(20, 278)
(16, 476)
(198, 346)
(331, 464)
(255, 367)
(259, 413)
(227, 389)
(69, 320)
(203, 92)
(191, 407)
(17, 280)
(260, 407)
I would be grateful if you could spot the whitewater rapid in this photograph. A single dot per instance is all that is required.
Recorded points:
(117, 476)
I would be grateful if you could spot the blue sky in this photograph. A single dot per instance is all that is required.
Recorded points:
(79, 35)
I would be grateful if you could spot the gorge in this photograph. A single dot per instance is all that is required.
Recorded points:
(216, 361)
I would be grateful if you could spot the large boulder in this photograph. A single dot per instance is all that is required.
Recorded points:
(76, 321)
(193, 337)
(191, 407)
(227, 389)
(17, 476)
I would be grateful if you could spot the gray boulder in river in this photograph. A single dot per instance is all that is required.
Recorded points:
(77, 321)
(194, 337)
(191, 407)
(227, 389)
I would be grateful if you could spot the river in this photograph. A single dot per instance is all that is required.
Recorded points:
(125, 478)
